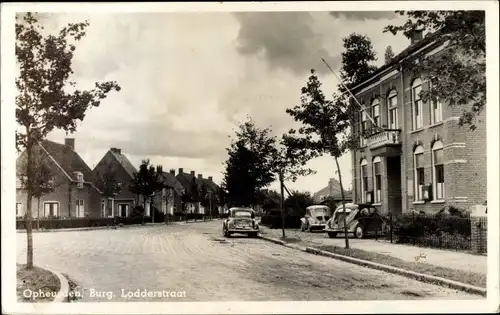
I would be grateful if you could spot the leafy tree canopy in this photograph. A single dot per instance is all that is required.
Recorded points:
(458, 73)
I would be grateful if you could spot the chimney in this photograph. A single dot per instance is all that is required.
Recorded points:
(210, 178)
(172, 171)
(116, 150)
(192, 173)
(181, 170)
(416, 36)
(70, 142)
(200, 176)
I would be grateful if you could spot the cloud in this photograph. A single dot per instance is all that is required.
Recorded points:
(286, 40)
(364, 15)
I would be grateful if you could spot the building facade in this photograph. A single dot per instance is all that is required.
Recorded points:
(419, 158)
(73, 194)
(116, 163)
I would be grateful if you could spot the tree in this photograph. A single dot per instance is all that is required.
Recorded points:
(43, 179)
(289, 162)
(107, 184)
(324, 128)
(269, 199)
(146, 183)
(47, 98)
(357, 60)
(250, 163)
(299, 201)
(458, 74)
(389, 54)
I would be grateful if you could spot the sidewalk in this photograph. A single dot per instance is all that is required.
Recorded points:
(459, 261)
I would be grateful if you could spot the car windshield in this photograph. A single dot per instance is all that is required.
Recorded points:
(319, 211)
(242, 213)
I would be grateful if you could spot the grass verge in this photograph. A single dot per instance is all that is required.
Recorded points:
(36, 284)
(471, 278)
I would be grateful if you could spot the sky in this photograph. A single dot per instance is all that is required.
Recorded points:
(187, 79)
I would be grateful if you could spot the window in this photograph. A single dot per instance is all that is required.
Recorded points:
(419, 172)
(438, 171)
(436, 108)
(51, 209)
(363, 128)
(364, 180)
(377, 179)
(376, 111)
(19, 209)
(80, 211)
(417, 117)
(392, 110)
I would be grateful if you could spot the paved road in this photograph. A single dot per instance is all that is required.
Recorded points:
(196, 259)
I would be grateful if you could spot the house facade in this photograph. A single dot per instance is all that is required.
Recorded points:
(169, 199)
(420, 158)
(191, 181)
(116, 163)
(73, 195)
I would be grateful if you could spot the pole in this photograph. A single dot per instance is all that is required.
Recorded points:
(282, 204)
(350, 93)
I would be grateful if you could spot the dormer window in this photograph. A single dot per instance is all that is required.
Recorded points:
(79, 179)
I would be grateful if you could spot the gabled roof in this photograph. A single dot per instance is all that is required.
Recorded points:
(332, 190)
(66, 159)
(186, 180)
(171, 180)
(124, 162)
(211, 185)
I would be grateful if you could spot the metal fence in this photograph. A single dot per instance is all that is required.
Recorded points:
(426, 230)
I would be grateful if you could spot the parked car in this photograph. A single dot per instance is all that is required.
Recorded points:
(315, 218)
(361, 220)
(240, 221)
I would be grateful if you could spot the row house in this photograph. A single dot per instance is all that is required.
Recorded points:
(73, 192)
(114, 163)
(191, 181)
(419, 158)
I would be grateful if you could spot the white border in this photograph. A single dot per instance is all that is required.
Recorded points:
(8, 167)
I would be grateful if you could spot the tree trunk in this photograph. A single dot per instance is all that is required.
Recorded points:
(38, 214)
(29, 228)
(282, 204)
(346, 235)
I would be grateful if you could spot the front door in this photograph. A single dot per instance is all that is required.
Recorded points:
(123, 208)
(80, 209)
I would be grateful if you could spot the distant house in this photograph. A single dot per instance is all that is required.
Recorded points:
(74, 192)
(189, 182)
(212, 190)
(169, 200)
(120, 205)
(332, 191)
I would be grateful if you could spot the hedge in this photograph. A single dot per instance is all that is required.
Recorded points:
(275, 222)
(55, 223)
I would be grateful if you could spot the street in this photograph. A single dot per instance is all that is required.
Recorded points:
(196, 259)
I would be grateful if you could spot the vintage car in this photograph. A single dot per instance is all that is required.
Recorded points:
(240, 221)
(361, 220)
(315, 218)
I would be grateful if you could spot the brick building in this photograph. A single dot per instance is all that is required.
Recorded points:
(73, 195)
(420, 159)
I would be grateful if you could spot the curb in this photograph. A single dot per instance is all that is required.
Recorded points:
(63, 294)
(399, 271)
(110, 227)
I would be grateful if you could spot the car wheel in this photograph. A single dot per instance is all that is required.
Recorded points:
(332, 234)
(252, 235)
(302, 227)
(358, 232)
(228, 234)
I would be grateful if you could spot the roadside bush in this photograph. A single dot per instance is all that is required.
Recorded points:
(274, 221)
